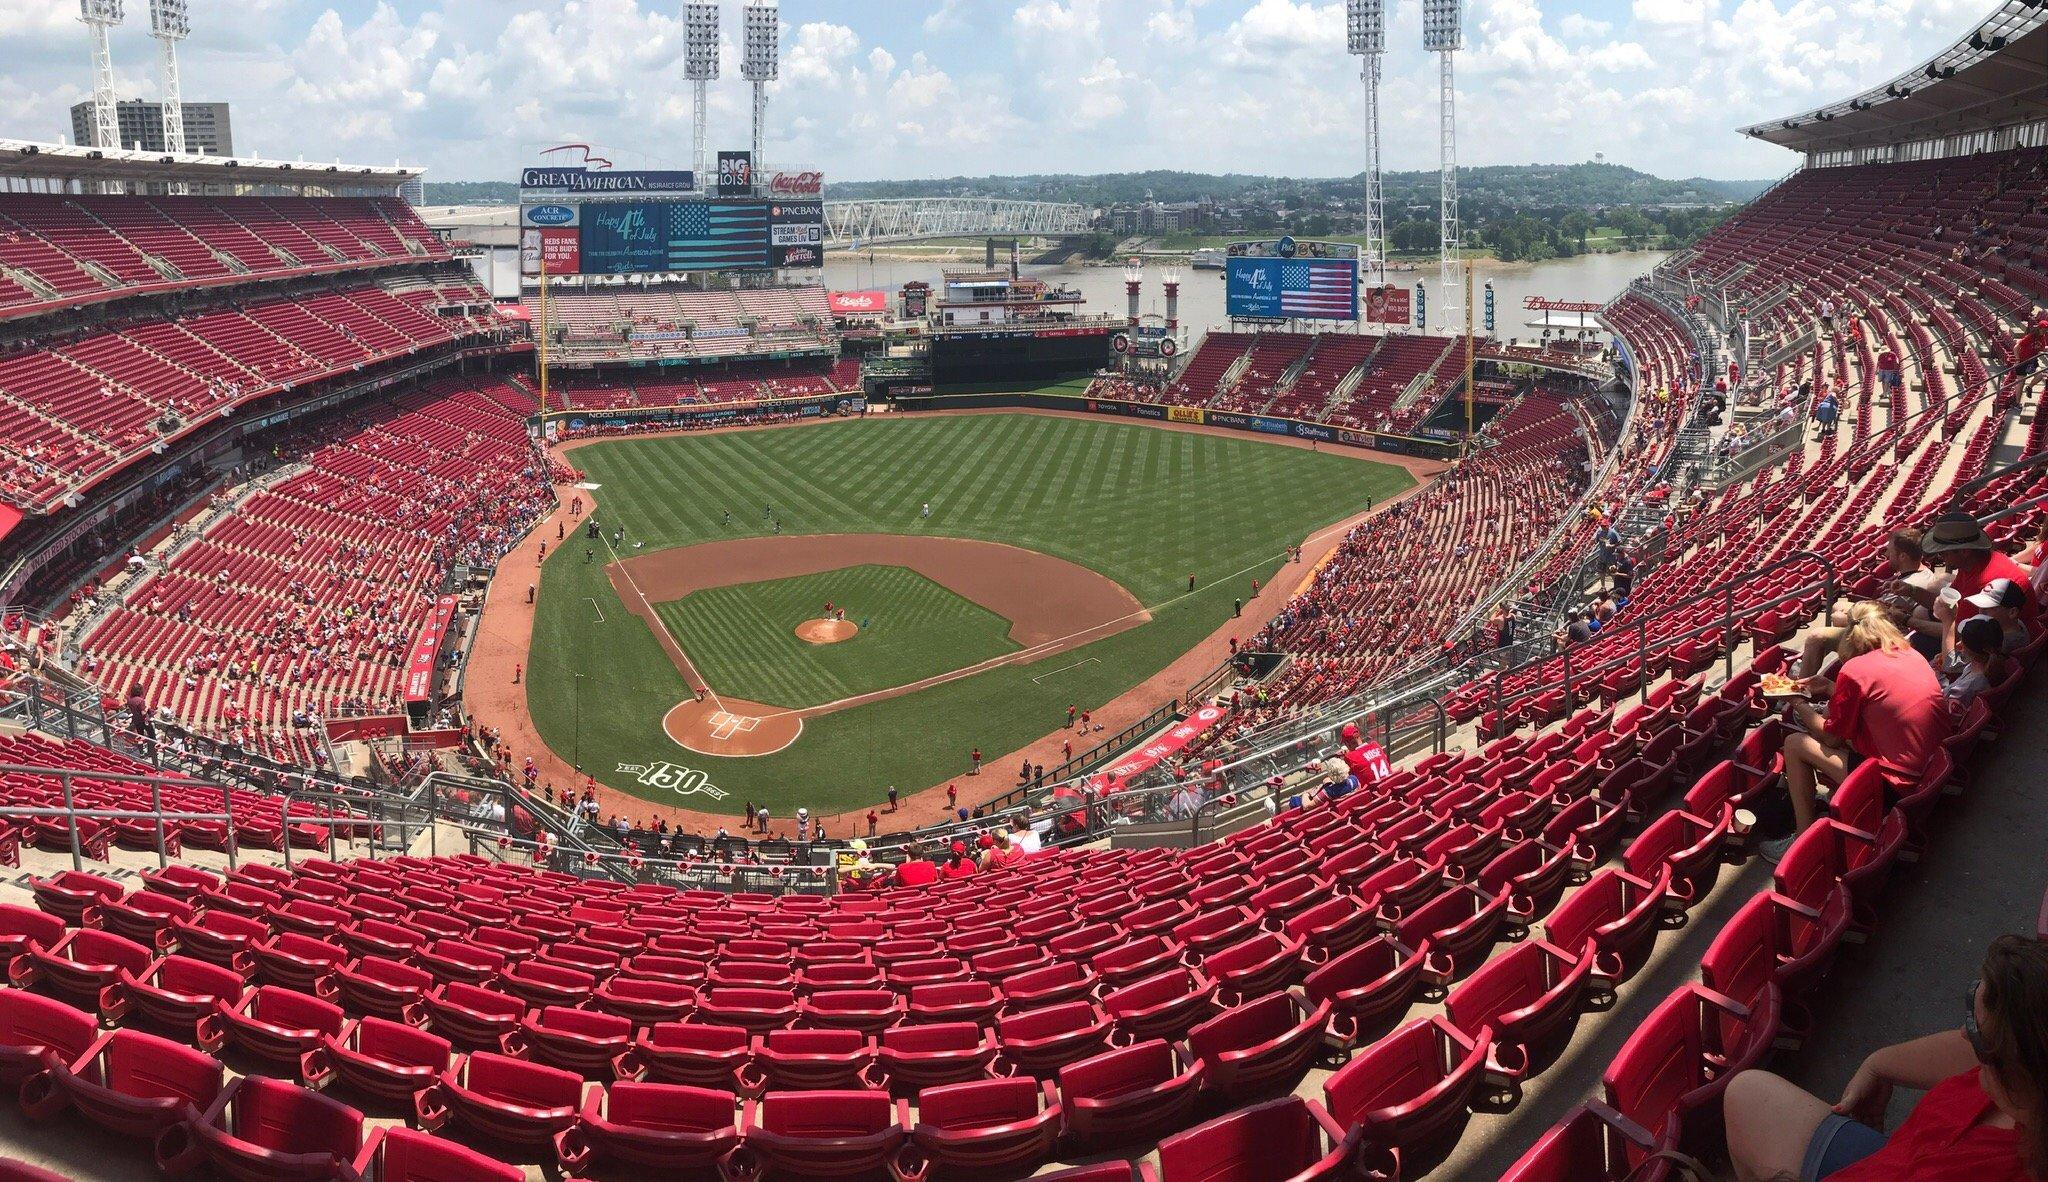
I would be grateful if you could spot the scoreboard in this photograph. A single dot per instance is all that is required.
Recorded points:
(657, 236)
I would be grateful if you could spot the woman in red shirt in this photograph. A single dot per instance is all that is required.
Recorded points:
(1884, 703)
(1984, 1117)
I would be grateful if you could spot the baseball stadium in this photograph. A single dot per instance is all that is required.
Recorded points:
(597, 684)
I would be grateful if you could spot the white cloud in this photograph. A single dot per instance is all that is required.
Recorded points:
(943, 87)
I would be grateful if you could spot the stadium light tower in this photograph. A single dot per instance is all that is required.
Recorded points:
(1365, 24)
(700, 66)
(1443, 34)
(759, 61)
(170, 21)
(100, 16)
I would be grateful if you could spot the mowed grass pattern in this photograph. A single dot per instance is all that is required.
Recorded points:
(1146, 506)
(743, 638)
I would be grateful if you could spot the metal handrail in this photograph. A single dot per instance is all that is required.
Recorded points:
(71, 812)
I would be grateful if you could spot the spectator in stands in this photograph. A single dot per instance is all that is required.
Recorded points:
(1979, 644)
(1884, 703)
(1957, 541)
(1913, 586)
(1366, 760)
(2026, 352)
(918, 869)
(1984, 1117)
(1023, 835)
(957, 864)
(2001, 601)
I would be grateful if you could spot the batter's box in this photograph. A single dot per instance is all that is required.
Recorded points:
(724, 724)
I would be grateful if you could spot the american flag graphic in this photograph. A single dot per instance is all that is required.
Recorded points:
(704, 237)
(1318, 291)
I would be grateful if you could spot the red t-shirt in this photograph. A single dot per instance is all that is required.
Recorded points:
(1888, 705)
(1942, 1141)
(2001, 566)
(917, 873)
(965, 868)
(1368, 763)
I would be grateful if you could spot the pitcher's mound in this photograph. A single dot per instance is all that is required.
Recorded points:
(826, 631)
(729, 726)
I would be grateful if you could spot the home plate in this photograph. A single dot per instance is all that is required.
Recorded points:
(725, 724)
(730, 727)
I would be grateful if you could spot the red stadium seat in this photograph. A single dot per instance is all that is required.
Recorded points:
(1670, 1074)
(1165, 1005)
(792, 1060)
(68, 893)
(297, 962)
(1461, 926)
(1054, 984)
(22, 926)
(1370, 987)
(1039, 1042)
(1288, 1138)
(270, 1023)
(869, 1011)
(501, 1099)
(38, 1032)
(1410, 1093)
(694, 1053)
(128, 1083)
(263, 1130)
(990, 1128)
(172, 995)
(841, 1135)
(470, 1017)
(1619, 913)
(670, 1128)
(372, 985)
(81, 964)
(141, 916)
(401, 1155)
(1530, 998)
(573, 1040)
(1130, 1095)
(1260, 1048)
(757, 1010)
(375, 1057)
(911, 1058)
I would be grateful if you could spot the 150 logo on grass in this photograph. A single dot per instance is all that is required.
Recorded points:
(684, 781)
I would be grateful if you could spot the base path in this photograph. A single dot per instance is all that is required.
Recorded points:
(826, 631)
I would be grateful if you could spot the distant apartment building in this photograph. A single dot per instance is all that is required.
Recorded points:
(208, 131)
(1153, 217)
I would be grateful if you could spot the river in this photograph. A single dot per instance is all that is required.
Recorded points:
(1594, 277)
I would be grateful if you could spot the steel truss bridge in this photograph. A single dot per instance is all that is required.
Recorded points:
(869, 223)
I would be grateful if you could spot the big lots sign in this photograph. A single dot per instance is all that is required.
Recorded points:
(797, 184)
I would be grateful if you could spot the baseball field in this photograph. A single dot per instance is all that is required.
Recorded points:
(984, 571)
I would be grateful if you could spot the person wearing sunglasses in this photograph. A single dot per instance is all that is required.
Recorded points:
(1984, 1117)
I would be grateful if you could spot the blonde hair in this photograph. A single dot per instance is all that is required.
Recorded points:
(1870, 629)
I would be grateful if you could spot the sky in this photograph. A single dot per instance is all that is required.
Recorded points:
(893, 89)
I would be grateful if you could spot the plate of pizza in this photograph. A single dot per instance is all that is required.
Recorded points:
(1778, 686)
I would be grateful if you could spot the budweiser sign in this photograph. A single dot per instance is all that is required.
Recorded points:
(797, 184)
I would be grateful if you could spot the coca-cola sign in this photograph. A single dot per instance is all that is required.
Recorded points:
(797, 184)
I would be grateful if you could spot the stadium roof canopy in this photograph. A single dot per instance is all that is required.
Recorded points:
(24, 165)
(1995, 77)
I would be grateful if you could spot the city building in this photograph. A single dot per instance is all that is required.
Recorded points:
(208, 130)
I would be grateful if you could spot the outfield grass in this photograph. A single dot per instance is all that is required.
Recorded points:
(1143, 505)
(742, 638)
